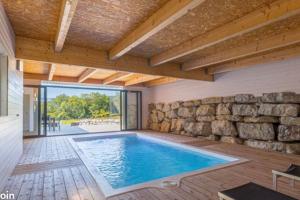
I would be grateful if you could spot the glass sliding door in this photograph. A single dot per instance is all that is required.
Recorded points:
(82, 110)
(131, 110)
(55, 110)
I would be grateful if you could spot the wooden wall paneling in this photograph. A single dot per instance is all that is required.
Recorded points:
(7, 36)
(11, 126)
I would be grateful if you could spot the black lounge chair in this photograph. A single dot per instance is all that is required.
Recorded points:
(293, 173)
(252, 191)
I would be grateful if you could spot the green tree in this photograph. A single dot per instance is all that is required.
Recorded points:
(92, 105)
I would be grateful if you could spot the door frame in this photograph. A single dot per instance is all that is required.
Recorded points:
(39, 110)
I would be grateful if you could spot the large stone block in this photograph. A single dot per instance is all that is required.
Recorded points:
(284, 110)
(173, 124)
(266, 145)
(228, 99)
(261, 119)
(177, 125)
(290, 121)
(206, 110)
(186, 112)
(188, 104)
(166, 108)
(176, 104)
(281, 97)
(288, 133)
(245, 98)
(233, 118)
(189, 127)
(197, 102)
(197, 128)
(213, 137)
(202, 129)
(155, 126)
(165, 126)
(159, 106)
(292, 148)
(212, 100)
(153, 117)
(151, 107)
(160, 116)
(231, 140)
(224, 109)
(244, 109)
(223, 127)
(206, 118)
(259, 100)
(261, 131)
(172, 114)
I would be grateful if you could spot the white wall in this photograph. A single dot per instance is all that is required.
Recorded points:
(272, 77)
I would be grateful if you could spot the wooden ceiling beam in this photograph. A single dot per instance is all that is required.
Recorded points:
(7, 36)
(279, 55)
(115, 77)
(86, 74)
(166, 15)
(44, 77)
(67, 11)
(140, 79)
(160, 81)
(38, 50)
(51, 73)
(256, 47)
(266, 15)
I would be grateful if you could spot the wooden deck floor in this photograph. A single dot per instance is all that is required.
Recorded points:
(50, 169)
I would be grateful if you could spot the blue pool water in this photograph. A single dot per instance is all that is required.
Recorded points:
(131, 159)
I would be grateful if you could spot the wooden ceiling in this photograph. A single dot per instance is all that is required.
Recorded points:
(55, 72)
(132, 42)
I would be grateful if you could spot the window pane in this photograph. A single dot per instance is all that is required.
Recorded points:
(82, 110)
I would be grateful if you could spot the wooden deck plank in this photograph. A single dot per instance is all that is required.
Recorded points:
(59, 185)
(17, 184)
(91, 184)
(80, 184)
(26, 187)
(51, 169)
(38, 184)
(48, 190)
(70, 185)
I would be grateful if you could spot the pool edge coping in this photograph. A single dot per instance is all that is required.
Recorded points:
(107, 190)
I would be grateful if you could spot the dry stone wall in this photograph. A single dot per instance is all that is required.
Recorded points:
(270, 122)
